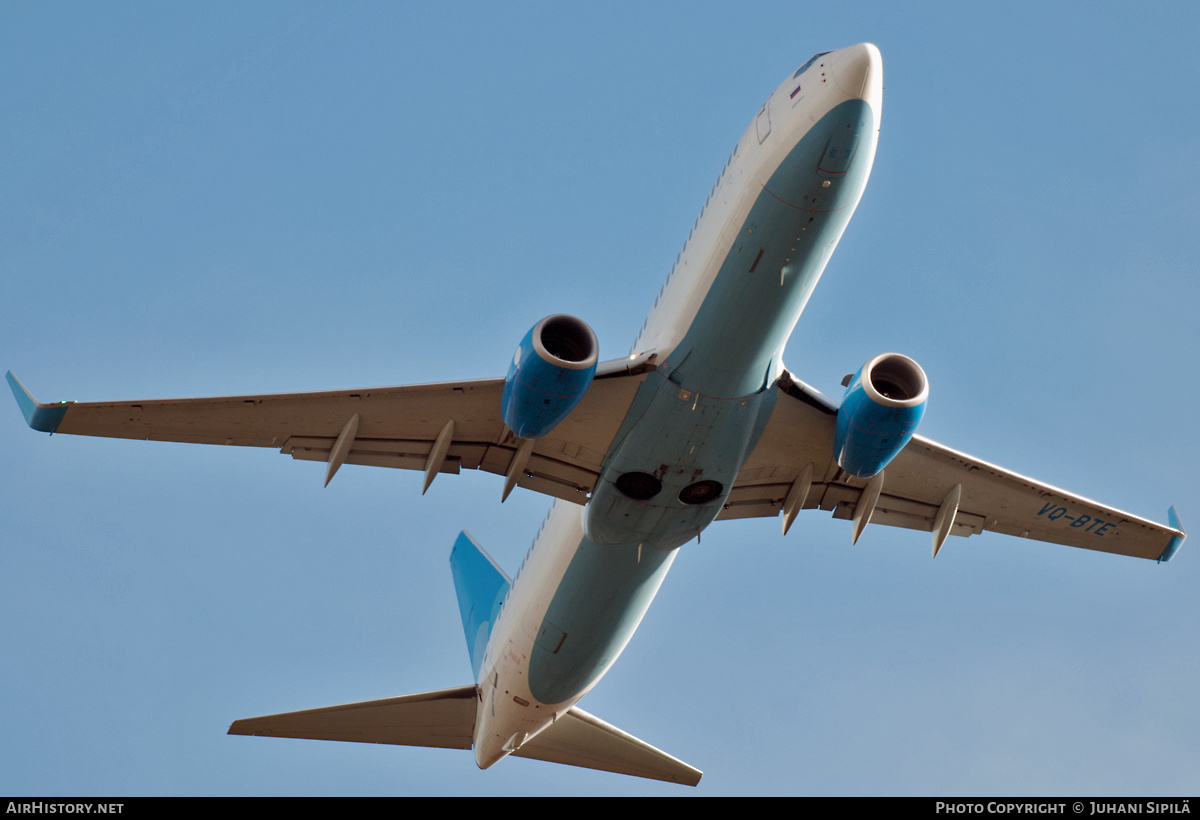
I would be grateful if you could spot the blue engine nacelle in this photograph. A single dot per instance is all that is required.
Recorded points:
(883, 404)
(549, 374)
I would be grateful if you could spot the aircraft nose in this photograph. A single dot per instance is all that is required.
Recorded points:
(858, 72)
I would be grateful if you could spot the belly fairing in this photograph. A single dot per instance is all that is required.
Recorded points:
(681, 439)
(628, 545)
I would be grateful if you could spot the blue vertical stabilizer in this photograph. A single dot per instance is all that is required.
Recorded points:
(481, 586)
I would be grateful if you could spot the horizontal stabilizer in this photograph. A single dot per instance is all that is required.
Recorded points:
(580, 739)
(443, 719)
(446, 718)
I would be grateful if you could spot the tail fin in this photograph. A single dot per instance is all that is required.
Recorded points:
(481, 586)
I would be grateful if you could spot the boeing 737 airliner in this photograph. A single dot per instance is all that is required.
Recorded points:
(700, 421)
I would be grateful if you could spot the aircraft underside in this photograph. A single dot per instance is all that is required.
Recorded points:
(641, 454)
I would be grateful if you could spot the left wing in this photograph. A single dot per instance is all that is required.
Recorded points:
(926, 487)
(436, 428)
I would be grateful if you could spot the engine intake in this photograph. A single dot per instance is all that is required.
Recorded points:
(883, 404)
(553, 367)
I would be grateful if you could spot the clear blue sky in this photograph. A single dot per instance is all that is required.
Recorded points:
(203, 199)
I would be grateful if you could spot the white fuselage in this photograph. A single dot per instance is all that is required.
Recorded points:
(718, 327)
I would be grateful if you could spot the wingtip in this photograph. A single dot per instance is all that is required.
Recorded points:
(44, 418)
(1176, 541)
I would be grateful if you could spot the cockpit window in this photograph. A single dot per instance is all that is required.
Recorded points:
(811, 60)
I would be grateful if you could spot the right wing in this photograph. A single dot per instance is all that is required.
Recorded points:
(381, 427)
(925, 486)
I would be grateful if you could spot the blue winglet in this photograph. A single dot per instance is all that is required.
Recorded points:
(1177, 541)
(42, 417)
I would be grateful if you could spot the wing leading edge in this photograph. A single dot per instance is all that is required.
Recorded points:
(436, 428)
(927, 487)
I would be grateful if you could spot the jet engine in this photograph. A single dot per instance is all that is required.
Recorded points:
(883, 404)
(553, 367)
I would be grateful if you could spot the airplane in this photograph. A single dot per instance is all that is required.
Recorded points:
(700, 421)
